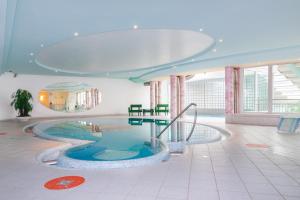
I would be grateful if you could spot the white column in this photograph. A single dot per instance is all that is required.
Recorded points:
(159, 92)
(270, 89)
(173, 96)
(152, 94)
(181, 92)
(156, 93)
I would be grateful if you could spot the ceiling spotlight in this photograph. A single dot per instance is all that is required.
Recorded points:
(107, 74)
(76, 34)
(193, 60)
(221, 40)
(135, 26)
(31, 54)
(214, 50)
(201, 29)
(42, 45)
(56, 70)
(174, 67)
(30, 61)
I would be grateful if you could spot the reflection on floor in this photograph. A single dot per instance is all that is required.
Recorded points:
(226, 170)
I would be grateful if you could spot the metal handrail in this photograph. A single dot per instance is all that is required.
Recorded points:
(179, 115)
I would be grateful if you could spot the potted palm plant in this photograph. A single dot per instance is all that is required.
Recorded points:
(22, 102)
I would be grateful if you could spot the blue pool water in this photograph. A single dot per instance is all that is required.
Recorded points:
(120, 139)
(111, 139)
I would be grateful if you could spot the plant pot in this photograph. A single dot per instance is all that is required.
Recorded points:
(23, 119)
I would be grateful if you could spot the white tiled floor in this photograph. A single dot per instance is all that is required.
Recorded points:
(225, 170)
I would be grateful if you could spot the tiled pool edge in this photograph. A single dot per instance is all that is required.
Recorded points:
(69, 163)
(66, 162)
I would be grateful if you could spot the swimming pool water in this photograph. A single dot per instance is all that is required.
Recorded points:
(111, 139)
(119, 139)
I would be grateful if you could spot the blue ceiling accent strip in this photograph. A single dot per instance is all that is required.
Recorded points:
(291, 52)
(3, 7)
(246, 26)
(11, 8)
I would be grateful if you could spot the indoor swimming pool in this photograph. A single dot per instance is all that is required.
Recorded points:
(117, 142)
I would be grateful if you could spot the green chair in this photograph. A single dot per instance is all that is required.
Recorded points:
(151, 111)
(135, 108)
(162, 108)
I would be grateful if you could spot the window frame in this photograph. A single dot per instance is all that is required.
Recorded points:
(270, 92)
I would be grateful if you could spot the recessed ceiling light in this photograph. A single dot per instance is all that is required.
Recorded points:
(221, 40)
(76, 34)
(56, 70)
(30, 61)
(42, 45)
(135, 26)
(107, 74)
(31, 54)
(214, 50)
(201, 29)
(193, 60)
(174, 67)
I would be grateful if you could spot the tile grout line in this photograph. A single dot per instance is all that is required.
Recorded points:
(162, 183)
(191, 164)
(238, 173)
(260, 169)
(279, 168)
(212, 166)
(260, 139)
(279, 144)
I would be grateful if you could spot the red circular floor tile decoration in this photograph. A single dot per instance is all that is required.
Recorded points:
(3, 134)
(257, 145)
(64, 182)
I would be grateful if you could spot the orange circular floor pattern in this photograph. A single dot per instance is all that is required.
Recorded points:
(257, 145)
(64, 182)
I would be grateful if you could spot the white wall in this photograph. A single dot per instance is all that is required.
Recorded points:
(117, 94)
(253, 119)
(165, 92)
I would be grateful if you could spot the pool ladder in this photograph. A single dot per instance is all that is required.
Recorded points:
(179, 115)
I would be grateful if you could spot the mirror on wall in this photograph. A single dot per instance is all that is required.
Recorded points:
(70, 97)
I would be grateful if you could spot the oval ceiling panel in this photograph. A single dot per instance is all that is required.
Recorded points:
(123, 50)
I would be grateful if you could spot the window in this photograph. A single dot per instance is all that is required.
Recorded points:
(256, 89)
(273, 89)
(286, 91)
(207, 90)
